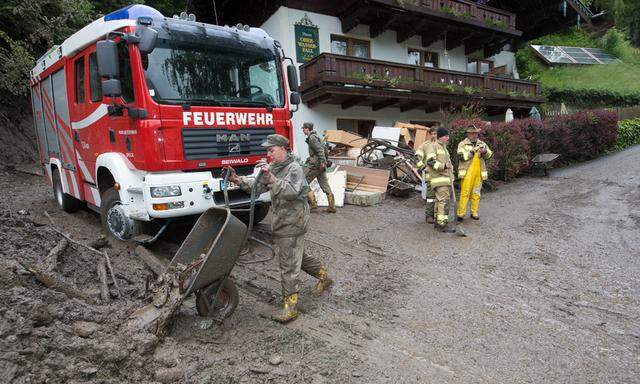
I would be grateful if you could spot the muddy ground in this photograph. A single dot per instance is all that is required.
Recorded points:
(546, 289)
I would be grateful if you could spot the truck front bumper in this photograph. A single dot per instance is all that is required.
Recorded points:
(199, 191)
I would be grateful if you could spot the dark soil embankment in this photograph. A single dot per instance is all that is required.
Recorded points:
(18, 145)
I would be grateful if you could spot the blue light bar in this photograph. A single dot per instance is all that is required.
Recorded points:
(133, 12)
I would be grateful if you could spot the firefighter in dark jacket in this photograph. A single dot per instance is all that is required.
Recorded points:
(317, 167)
(283, 178)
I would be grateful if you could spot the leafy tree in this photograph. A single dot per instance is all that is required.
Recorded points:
(29, 28)
(626, 15)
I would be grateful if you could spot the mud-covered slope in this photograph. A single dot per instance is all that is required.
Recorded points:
(17, 136)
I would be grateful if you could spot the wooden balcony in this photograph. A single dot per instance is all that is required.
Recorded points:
(350, 81)
(491, 17)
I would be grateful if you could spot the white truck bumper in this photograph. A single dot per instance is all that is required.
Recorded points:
(199, 191)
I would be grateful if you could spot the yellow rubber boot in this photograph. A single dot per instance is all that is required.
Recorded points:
(313, 203)
(332, 203)
(324, 282)
(289, 310)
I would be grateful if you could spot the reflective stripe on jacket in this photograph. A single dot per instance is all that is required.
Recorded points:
(464, 154)
(421, 153)
(440, 169)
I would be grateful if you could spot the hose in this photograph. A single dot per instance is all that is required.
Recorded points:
(251, 210)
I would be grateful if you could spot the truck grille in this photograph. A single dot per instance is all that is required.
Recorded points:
(204, 143)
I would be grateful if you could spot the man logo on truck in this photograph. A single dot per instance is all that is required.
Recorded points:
(228, 138)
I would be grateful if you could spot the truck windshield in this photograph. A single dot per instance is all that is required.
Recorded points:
(178, 73)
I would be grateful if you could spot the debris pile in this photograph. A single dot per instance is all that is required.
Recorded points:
(386, 162)
(63, 306)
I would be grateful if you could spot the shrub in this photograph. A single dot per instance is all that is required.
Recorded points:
(628, 133)
(510, 149)
(578, 137)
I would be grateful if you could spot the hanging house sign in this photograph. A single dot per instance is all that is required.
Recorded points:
(307, 40)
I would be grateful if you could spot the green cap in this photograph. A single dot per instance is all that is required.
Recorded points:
(276, 141)
(307, 125)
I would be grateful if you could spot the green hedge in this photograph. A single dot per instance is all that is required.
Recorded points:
(591, 98)
(628, 133)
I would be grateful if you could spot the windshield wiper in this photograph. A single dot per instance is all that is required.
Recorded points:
(254, 102)
(187, 103)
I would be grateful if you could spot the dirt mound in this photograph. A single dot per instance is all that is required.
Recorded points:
(47, 337)
(18, 145)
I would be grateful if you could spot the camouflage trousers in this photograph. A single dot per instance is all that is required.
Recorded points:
(311, 173)
(293, 259)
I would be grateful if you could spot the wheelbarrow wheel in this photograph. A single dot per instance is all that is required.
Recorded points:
(224, 306)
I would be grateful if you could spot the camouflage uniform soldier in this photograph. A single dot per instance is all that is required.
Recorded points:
(284, 179)
(317, 167)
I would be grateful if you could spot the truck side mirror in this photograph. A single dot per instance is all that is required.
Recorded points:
(148, 37)
(111, 87)
(294, 99)
(292, 77)
(107, 53)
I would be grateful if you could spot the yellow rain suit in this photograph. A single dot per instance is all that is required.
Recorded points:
(472, 169)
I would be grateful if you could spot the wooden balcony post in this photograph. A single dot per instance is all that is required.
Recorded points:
(474, 12)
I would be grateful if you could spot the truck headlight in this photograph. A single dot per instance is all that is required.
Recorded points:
(166, 191)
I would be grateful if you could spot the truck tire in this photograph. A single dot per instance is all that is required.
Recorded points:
(65, 201)
(260, 212)
(225, 305)
(113, 218)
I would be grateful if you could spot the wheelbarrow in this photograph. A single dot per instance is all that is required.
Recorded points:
(209, 253)
(544, 161)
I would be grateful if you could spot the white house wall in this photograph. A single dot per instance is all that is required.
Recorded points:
(281, 26)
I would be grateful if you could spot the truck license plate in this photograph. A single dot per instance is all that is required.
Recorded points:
(230, 185)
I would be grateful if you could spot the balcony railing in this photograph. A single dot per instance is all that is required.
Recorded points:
(331, 69)
(490, 16)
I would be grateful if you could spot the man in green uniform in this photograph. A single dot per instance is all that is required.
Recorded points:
(317, 167)
(440, 176)
(284, 179)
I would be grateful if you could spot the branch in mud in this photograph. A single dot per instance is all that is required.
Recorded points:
(153, 262)
(156, 316)
(50, 262)
(102, 276)
(55, 283)
(77, 243)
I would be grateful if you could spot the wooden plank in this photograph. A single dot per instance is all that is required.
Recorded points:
(366, 179)
(345, 138)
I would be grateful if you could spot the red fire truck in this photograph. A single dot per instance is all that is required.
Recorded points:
(136, 114)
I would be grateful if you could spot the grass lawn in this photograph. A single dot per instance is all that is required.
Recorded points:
(623, 78)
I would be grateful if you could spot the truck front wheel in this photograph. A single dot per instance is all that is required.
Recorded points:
(65, 201)
(114, 218)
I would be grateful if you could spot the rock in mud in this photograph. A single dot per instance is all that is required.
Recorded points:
(145, 343)
(85, 328)
(41, 316)
(275, 360)
(169, 375)
(260, 369)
